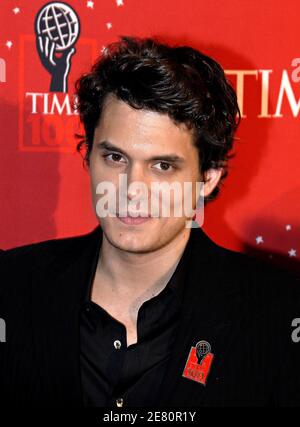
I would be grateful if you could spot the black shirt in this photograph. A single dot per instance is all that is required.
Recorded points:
(113, 374)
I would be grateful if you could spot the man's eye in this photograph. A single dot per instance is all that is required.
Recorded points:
(164, 166)
(114, 157)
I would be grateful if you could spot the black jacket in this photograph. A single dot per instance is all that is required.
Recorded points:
(241, 306)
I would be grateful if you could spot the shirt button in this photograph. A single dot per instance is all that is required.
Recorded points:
(117, 344)
(119, 402)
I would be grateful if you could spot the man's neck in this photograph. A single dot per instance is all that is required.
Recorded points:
(137, 276)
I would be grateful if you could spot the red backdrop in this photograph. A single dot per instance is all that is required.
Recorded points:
(44, 190)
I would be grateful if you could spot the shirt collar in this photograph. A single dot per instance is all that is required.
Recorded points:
(177, 280)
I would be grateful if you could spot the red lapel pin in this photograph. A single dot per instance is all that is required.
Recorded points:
(199, 362)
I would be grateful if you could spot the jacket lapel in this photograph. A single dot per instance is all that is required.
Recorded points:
(212, 308)
(57, 297)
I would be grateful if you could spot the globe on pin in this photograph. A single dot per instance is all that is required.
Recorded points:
(202, 348)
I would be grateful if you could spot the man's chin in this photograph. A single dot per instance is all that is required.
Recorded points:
(132, 246)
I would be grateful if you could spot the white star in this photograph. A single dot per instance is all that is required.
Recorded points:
(109, 25)
(288, 227)
(119, 2)
(259, 240)
(16, 10)
(9, 44)
(292, 252)
(90, 4)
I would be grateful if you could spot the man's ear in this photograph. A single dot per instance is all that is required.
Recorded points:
(212, 177)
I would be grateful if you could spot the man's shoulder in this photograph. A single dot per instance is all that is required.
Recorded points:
(44, 250)
(256, 278)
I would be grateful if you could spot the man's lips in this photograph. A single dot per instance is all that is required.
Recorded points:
(133, 220)
(127, 215)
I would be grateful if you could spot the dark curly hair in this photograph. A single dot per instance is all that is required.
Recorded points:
(187, 85)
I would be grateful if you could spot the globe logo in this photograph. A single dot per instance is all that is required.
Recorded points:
(60, 23)
(57, 29)
(202, 349)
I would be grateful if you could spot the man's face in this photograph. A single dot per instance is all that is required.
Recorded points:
(142, 141)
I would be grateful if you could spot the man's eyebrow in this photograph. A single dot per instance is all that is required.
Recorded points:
(106, 145)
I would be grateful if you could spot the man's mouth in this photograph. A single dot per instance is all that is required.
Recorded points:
(131, 215)
(134, 220)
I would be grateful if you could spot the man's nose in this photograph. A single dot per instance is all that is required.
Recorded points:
(136, 174)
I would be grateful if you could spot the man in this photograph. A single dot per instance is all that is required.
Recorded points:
(146, 311)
